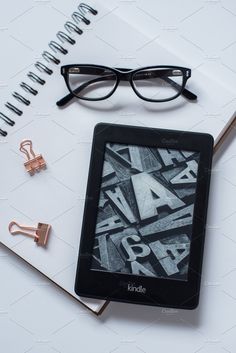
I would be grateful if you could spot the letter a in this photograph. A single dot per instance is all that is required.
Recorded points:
(144, 187)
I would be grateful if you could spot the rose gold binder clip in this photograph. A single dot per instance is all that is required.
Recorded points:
(34, 162)
(40, 234)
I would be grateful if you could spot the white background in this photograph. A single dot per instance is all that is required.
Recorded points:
(35, 316)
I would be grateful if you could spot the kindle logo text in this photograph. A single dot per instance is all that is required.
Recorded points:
(132, 288)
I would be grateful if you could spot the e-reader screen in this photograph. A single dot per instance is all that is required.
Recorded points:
(145, 211)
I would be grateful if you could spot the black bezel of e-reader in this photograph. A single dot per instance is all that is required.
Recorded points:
(152, 291)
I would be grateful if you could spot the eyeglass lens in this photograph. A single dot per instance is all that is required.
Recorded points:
(91, 83)
(158, 83)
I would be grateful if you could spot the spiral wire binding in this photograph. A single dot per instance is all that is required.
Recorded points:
(84, 8)
(42, 67)
(77, 17)
(20, 98)
(70, 27)
(3, 133)
(35, 78)
(13, 108)
(57, 47)
(28, 88)
(7, 120)
(63, 37)
(49, 57)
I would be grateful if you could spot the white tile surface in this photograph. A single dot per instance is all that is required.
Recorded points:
(37, 317)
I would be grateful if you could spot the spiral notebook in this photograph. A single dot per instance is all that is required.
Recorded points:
(55, 196)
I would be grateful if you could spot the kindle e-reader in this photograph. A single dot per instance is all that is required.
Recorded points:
(145, 214)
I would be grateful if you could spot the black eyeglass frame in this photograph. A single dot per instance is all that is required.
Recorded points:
(124, 74)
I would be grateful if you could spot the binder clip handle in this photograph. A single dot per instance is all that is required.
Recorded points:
(23, 145)
(21, 229)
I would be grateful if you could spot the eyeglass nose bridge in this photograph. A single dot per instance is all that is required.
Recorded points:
(124, 74)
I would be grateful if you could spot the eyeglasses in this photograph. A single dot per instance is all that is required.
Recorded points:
(152, 83)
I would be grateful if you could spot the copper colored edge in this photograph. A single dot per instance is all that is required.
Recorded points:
(225, 132)
(57, 285)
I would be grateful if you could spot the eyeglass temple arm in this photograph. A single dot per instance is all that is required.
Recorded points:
(186, 93)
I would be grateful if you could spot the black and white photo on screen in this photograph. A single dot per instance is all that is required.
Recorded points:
(145, 212)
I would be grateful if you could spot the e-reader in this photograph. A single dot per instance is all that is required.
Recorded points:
(145, 214)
